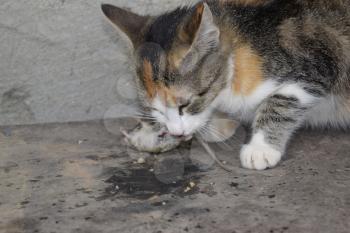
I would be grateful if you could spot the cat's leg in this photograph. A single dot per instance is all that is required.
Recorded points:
(275, 121)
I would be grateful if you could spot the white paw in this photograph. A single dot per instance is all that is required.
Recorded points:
(259, 157)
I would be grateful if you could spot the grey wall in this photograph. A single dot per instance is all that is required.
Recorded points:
(61, 61)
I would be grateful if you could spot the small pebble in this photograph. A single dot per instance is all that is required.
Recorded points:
(141, 161)
(82, 141)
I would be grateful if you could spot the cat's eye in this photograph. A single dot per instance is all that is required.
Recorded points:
(182, 107)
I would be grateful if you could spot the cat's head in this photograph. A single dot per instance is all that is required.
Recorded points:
(180, 63)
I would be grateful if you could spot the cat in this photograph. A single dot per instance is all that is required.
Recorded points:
(275, 64)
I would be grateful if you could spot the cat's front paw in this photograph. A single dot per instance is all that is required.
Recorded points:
(259, 157)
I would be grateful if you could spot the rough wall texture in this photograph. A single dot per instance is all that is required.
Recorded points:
(61, 61)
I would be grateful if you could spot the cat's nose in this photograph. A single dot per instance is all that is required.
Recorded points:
(175, 130)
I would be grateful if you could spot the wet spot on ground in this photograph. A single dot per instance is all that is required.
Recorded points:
(168, 176)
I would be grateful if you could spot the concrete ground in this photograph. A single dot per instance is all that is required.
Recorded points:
(80, 177)
(61, 61)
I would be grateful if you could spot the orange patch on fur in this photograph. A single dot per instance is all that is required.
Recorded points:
(248, 71)
(153, 89)
(176, 56)
(167, 95)
(148, 79)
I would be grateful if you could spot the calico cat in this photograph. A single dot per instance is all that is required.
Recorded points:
(276, 64)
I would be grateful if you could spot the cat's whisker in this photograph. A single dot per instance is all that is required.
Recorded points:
(222, 138)
(219, 136)
(217, 132)
(216, 137)
(143, 116)
(206, 130)
(201, 131)
(142, 112)
(126, 135)
(210, 151)
(144, 119)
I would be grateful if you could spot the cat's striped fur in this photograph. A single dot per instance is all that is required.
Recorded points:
(277, 64)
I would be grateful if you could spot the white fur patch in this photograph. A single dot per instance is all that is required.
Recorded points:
(298, 92)
(330, 111)
(175, 122)
(244, 106)
(258, 154)
(241, 106)
(195, 122)
(160, 114)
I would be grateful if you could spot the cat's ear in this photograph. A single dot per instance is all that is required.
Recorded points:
(191, 25)
(128, 22)
(201, 33)
(199, 25)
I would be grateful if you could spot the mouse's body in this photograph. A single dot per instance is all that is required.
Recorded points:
(152, 138)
